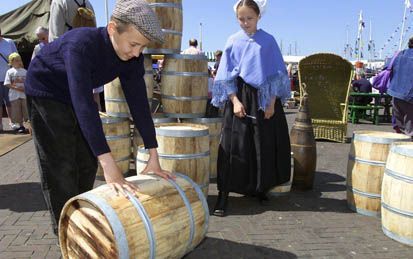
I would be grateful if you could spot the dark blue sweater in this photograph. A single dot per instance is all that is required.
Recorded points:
(68, 69)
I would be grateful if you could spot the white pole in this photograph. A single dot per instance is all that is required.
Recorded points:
(403, 24)
(200, 36)
(106, 11)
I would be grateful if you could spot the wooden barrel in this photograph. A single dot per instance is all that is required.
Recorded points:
(137, 139)
(185, 86)
(117, 133)
(284, 189)
(397, 194)
(169, 13)
(182, 147)
(365, 169)
(115, 101)
(166, 219)
(214, 126)
(149, 82)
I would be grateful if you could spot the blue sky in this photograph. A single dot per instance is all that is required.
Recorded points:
(312, 25)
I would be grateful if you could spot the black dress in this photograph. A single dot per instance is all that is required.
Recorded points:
(254, 154)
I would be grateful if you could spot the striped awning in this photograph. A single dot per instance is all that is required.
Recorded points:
(210, 55)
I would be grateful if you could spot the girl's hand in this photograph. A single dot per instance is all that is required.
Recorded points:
(269, 111)
(239, 109)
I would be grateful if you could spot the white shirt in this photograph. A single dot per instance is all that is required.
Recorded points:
(192, 51)
(16, 76)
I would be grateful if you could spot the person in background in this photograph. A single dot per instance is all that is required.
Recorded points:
(361, 85)
(14, 80)
(211, 111)
(401, 89)
(252, 82)
(193, 48)
(67, 129)
(42, 34)
(7, 47)
(218, 55)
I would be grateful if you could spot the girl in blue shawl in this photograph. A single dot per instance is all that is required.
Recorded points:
(251, 83)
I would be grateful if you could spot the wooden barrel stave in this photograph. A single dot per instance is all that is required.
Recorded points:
(117, 134)
(185, 86)
(172, 221)
(397, 194)
(170, 17)
(365, 169)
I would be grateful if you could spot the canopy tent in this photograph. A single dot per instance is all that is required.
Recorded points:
(21, 23)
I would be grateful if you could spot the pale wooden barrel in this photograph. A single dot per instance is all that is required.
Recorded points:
(137, 139)
(182, 147)
(115, 101)
(365, 169)
(284, 189)
(117, 133)
(214, 126)
(166, 219)
(185, 86)
(149, 82)
(169, 13)
(397, 194)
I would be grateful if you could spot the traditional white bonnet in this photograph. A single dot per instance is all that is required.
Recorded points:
(262, 4)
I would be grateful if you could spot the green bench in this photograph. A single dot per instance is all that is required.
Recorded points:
(359, 111)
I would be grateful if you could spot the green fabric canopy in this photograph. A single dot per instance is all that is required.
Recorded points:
(21, 23)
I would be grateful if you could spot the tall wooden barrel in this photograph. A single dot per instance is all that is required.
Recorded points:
(137, 139)
(214, 125)
(185, 86)
(115, 101)
(365, 169)
(117, 134)
(284, 189)
(182, 147)
(149, 82)
(166, 219)
(169, 13)
(397, 194)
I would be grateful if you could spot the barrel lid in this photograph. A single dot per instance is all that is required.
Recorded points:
(181, 130)
(402, 148)
(379, 137)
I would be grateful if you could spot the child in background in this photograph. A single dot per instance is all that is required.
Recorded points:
(14, 80)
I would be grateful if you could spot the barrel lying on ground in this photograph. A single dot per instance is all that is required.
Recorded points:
(166, 219)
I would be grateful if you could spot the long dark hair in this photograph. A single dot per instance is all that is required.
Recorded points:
(251, 4)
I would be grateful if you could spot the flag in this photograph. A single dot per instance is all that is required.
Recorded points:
(361, 22)
(408, 4)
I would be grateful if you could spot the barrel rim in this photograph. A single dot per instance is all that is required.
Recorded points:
(110, 120)
(398, 238)
(184, 115)
(398, 148)
(184, 98)
(378, 140)
(187, 56)
(203, 130)
(205, 120)
(142, 150)
(351, 157)
(184, 73)
(364, 212)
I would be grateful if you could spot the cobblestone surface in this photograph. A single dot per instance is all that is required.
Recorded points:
(313, 224)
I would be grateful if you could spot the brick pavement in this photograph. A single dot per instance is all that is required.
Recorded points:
(313, 224)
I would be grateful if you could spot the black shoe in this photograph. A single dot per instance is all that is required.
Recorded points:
(263, 198)
(221, 204)
(22, 129)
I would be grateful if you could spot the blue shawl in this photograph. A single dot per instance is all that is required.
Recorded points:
(258, 61)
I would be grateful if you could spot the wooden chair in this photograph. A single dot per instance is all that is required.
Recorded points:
(327, 78)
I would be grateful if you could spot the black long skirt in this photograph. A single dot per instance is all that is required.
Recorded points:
(254, 154)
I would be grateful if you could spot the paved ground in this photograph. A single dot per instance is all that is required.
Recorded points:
(313, 224)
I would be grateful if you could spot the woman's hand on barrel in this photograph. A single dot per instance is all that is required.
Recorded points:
(114, 177)
(154, 167)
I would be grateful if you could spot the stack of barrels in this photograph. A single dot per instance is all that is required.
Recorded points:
(380, 181)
